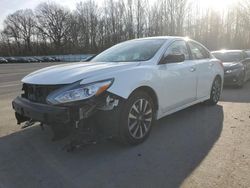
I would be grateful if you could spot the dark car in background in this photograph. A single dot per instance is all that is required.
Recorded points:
(3, 60)
(23, 60)
(32, 59)
(39, 59)
(56, 59)
(48, 59)
(11, 59)
(236, 66)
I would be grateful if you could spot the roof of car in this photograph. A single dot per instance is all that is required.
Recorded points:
(224, 51)
(163, 37)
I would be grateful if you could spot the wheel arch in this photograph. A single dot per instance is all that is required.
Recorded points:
(218, 76)
(221, 80)
(149, 91)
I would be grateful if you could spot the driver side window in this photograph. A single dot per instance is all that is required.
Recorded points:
(178, 47)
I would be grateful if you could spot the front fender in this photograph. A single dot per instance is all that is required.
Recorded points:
(126, 81)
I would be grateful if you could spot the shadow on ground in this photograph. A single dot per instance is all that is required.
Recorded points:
(177, 145)
(234, 94)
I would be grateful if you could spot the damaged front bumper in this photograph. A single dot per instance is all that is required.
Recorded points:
(26, 110)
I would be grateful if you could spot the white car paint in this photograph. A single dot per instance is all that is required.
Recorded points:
(176, 85)
(70, 73)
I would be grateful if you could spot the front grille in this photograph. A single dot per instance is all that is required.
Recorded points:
(38, 93)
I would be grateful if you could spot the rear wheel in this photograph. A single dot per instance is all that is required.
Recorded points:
(137, 118)
(215, 92)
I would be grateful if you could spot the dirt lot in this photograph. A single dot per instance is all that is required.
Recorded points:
(201, 146)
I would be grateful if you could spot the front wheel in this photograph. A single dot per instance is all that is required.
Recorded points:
(138, 114)
(215, 92)
(241, 81)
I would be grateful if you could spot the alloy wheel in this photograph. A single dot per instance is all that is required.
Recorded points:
(140, 118)
(216, 90)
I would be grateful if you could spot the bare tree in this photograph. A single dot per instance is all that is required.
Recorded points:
(140, 14)
(53, 21)
(87, 17)
(129, 29)
(20, 26)
(91, 28)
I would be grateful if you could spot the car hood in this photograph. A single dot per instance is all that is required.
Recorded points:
(72, 72)
(231, 65)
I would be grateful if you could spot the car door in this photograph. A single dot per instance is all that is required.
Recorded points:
(204, 66)
(178, 80)
(247, 67)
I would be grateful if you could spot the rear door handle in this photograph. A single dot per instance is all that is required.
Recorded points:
(192, 69)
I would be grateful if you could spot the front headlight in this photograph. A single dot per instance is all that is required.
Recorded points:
(235, 69)
(229, 71)
(80, 92)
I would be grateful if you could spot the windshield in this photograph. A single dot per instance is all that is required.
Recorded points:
(136, 50)
(229, 56)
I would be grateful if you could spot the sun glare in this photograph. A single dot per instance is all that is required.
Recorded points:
(218, 5)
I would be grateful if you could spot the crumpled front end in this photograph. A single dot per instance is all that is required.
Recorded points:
(32, 106)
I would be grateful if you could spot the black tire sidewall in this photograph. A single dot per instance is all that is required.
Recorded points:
(241, 80)
(211, 101)
(124, 133)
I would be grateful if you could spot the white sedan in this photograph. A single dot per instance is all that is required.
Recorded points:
(126, 87)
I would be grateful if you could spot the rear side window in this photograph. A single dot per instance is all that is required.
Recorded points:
(198, 52)
(178, 47)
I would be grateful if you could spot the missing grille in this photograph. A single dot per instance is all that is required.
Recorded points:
(38, 93)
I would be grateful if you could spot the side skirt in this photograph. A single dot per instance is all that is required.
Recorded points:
(159, 116)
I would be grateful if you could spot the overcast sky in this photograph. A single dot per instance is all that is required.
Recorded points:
(10, 6)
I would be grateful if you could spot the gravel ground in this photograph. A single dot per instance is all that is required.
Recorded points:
(202, 146)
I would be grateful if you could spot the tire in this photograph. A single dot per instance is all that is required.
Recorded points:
(137, 118)
(241, 82)
(215, 92)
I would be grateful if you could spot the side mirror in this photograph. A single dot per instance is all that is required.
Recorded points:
(173, 58)
(88, 58)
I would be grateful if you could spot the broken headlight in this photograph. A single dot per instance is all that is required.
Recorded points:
(80, 92)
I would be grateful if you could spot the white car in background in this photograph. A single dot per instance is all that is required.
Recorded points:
(126, 87)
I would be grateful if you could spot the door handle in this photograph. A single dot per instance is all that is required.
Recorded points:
(192, 69)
